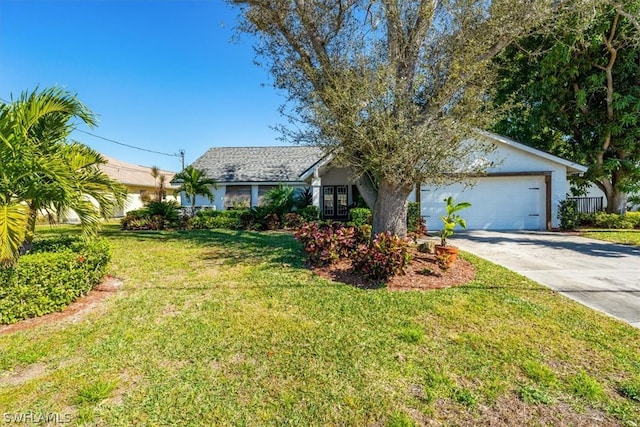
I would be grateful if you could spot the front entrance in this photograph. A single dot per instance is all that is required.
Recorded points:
(335, 202)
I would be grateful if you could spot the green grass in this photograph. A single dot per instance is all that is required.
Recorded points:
(626, 237)
(228, 328)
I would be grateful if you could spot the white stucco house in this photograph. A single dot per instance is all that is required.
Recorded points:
(521, 189)
(139, 183)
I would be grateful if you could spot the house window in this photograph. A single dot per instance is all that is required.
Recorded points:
(335, 201)
(237, 196)
(262, 191)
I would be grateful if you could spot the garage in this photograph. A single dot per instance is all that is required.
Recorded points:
(499, 202)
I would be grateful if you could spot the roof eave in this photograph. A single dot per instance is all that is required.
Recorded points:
(572, 167)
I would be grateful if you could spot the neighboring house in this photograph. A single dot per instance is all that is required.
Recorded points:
(139, 182)
(520, 191)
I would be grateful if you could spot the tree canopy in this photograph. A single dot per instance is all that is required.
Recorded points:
(392, 88)
(576, 92)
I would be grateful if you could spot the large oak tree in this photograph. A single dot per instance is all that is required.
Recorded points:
(392, 88)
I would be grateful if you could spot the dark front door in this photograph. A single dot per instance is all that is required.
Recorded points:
(335, 204)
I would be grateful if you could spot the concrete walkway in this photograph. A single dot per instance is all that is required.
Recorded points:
(600, 275)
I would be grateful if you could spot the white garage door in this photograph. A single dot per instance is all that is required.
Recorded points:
(497, 203)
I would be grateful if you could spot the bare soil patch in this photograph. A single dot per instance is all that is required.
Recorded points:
(74, 311)
(423, 273)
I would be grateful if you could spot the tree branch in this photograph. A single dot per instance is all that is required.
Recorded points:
(634, 21)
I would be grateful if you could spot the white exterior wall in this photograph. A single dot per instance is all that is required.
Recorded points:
(507, 159)
(219, 193)
(336, 176)
(203, 201)
(132, 203)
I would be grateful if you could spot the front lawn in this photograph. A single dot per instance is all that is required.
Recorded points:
(626, 237)
(228, 328)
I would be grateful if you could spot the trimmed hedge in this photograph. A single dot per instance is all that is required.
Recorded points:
(209, 219)
(51, 276)
(628, 220)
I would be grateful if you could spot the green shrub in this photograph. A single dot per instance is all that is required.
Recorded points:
(309, 213)
(138, 213)
(169, 210)
(568, 214)
(212, 213)
(42, 282)
(326, 243)
(611, 220)
(633, 218)
(258, 218)
(292, 220)
(628, 220)
(279, 200)
(210, 219)
(156, 215)
(386, 256)
(303, 198)
(360, 216)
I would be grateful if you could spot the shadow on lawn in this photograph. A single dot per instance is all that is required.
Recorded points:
(226, 246)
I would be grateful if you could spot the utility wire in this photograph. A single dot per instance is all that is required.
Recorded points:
(127, 145)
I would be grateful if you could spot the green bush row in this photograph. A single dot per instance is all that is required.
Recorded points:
(628, 220)
(570, 218)
(256, 218)
(156, 215)
(209, 218)
(51, 276)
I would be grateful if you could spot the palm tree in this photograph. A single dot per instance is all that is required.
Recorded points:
(160, 182)
(41, 171)
(194, 183)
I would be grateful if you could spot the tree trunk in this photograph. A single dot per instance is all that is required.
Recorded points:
(367, 189)
(390, 209)
(616, 201)
(31, 224)
(31, 229)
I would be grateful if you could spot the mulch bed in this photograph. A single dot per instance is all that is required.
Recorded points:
(423, 273)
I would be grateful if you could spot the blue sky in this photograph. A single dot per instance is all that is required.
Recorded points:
(163, 75)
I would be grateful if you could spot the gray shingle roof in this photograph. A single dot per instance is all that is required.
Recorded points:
(258, 164)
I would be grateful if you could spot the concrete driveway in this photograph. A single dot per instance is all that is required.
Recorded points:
(600, 275)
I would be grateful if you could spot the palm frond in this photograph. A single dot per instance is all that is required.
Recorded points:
(13, 226)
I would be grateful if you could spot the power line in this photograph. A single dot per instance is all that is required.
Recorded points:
(180, 154)
(130, 146)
